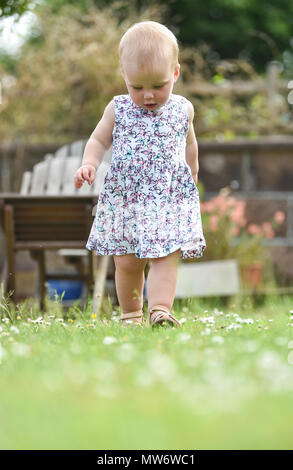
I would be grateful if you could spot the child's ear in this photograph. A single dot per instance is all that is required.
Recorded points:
(122, 73)
(176, 72)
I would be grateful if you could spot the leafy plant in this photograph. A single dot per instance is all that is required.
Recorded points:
(229, 235)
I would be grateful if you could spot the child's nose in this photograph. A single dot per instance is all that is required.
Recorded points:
(148, 94)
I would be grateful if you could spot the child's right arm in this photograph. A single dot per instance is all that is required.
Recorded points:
(97, 145)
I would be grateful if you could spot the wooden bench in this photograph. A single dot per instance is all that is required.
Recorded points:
(49, 213)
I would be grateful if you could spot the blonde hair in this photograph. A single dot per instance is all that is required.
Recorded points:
(148, 40)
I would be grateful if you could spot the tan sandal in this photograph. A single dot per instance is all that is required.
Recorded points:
(132, 318)
(160, 316)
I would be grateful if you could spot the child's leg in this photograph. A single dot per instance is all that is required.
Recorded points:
(129, 280)
(162, 280)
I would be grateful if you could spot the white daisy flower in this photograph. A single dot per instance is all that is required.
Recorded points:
(233, 326)
(207, 331)
(184, 337)
(218, 339)
(109, 340)
(14, 329)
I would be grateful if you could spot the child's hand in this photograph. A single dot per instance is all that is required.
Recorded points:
(84, 173)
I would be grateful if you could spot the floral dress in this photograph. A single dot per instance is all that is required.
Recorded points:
(149, 203)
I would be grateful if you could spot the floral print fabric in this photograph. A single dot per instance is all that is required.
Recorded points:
(149, 203)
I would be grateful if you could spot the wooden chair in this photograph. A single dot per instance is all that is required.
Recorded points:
(49, 213)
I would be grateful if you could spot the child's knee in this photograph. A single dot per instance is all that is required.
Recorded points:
(171, 259)
(129, 263)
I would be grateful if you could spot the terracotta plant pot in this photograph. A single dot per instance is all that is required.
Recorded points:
(252, 275)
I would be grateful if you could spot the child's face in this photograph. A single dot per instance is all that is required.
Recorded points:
(150, 87)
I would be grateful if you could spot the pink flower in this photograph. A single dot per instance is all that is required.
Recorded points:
(254, 229)
(214, 219)
(279, 217)
(268, 230)
(222, 204)
(235, 231)
(208, 206)
(237, 215)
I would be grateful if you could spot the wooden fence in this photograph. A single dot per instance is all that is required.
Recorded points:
(272, 86)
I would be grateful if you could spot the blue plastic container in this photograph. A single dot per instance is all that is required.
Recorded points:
(73, 289)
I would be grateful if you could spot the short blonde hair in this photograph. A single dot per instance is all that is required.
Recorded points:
(148, 40)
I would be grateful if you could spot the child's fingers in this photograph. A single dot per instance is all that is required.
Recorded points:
(78, 184)
(84, 174)
(92, 175)
(88, 174)
(78, 179)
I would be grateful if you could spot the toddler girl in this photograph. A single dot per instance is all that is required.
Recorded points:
(148, 207)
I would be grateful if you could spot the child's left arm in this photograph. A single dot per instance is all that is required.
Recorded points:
(191, 145)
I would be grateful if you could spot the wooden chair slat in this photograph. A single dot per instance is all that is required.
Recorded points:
(48, 245)
(22, 220)
(49, 226)
(51, 210)
(77, 147)
(26, 182)
(72, 163)
(56, 171)
(40, 177)
(62, 236)
(62, 152)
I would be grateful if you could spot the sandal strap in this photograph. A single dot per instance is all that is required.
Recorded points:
(162, 308)
(129, 315)
(158, 316)
(160, 313)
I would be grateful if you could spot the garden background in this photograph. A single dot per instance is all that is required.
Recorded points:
(55, 88)
(225, 379)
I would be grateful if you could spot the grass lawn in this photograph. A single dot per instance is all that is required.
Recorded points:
(223, 380)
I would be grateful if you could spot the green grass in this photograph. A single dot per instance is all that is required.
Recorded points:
(224, 380)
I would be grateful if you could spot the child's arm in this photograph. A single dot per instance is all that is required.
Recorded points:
(99, 142)
(191, 145)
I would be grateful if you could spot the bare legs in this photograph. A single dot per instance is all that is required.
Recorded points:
(161, 282)
(129, 280)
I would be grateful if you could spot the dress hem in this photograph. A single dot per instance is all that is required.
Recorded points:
(193, 253)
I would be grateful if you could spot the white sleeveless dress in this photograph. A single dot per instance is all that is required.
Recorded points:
(149, 203)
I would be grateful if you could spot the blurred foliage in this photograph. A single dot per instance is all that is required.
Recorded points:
(58, 87)
(61, 88)
(255, 30)
(13, 7)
